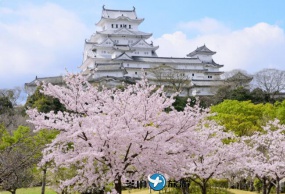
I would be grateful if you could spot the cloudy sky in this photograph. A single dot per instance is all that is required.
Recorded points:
(46, 38)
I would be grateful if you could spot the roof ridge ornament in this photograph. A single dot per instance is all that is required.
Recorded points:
(134, 9)
(103, 7)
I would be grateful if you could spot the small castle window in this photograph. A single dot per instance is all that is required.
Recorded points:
(192, 74)
(130, 26)
(136, 73)
(112, 25)
(116, 25)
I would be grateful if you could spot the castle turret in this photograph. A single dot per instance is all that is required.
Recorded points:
(119, 36)
(203, 53)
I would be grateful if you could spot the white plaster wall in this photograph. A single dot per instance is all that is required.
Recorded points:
(206, 58)
(108, 25)
(138, 65)
(99, 74)
(212, 69)
(201, 91)
(87, 50)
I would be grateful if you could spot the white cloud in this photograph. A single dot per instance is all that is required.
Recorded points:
(252, 49)
(38, 40)
(204, 26)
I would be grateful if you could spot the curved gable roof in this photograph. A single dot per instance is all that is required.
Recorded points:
(201, 50)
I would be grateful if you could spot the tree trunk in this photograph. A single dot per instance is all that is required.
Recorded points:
(270, 185)
(251, 186)
(204, 187)
(118, 185)
(185, 190)
(44, 180)
(277, 185)
(13, 191)
(264, 187)
(184, 184)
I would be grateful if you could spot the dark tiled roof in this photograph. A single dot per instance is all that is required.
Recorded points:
(112, 13)
(52, 80)
(201, 50)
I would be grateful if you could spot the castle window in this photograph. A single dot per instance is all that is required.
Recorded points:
(116, 25)
(136, 73)
(112, 25)
(192, 74)
(121, 25)
(130, 26)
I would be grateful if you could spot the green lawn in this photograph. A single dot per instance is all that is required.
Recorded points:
(34, 190)
(236, 191)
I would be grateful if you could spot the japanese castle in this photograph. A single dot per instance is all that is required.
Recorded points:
(120, 52)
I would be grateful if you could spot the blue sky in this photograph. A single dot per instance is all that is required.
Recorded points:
(44, 38)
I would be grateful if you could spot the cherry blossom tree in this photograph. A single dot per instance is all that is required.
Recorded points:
(267, 162)
(211, 153)
(109, 134)
(208, 152)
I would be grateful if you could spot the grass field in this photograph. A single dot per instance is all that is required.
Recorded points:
(235, 191)
(37, 190)
(34, 190)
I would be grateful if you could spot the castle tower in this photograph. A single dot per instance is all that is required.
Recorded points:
(119, 39)
(203, 53)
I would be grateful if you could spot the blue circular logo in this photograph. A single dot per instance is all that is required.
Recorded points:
(156, 181)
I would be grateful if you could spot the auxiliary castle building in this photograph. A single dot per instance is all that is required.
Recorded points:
(120, 52)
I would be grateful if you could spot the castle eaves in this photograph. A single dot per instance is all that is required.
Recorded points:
(112, 13)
